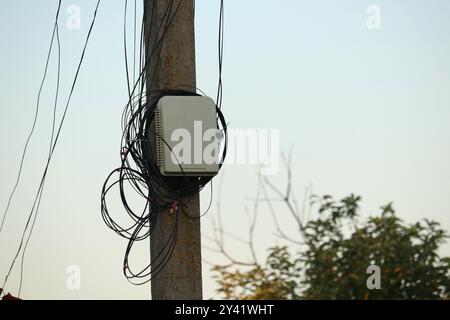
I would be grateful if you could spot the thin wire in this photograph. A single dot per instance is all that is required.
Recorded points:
(221, 49)
(134, 43)
(34, 120)
(125, 48)
(49, 155)
(52, 149)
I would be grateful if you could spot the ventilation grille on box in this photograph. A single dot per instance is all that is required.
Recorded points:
(159, 138)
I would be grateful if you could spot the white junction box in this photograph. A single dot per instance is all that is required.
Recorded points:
(187, 137)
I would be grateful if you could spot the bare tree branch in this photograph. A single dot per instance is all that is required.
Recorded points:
(219, 238)
(263, 195)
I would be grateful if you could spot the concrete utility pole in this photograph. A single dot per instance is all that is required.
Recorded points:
(181, 278)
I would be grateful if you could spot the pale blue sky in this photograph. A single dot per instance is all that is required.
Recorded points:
(367, 112)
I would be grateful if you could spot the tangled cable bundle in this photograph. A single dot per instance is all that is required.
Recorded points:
(139, 170)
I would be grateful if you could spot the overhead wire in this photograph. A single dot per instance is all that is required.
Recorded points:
(55, 104)
(219, 98)
(33, 126)
(35, 207)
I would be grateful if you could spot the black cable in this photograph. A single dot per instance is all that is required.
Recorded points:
(221, 46)
(134, 42)
(49, 156)
(35, 207)
(125, 48)
(35, 118)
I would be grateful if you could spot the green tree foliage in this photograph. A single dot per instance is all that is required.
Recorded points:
(337, 252)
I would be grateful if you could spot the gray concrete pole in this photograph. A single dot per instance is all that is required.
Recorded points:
(181, 278)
